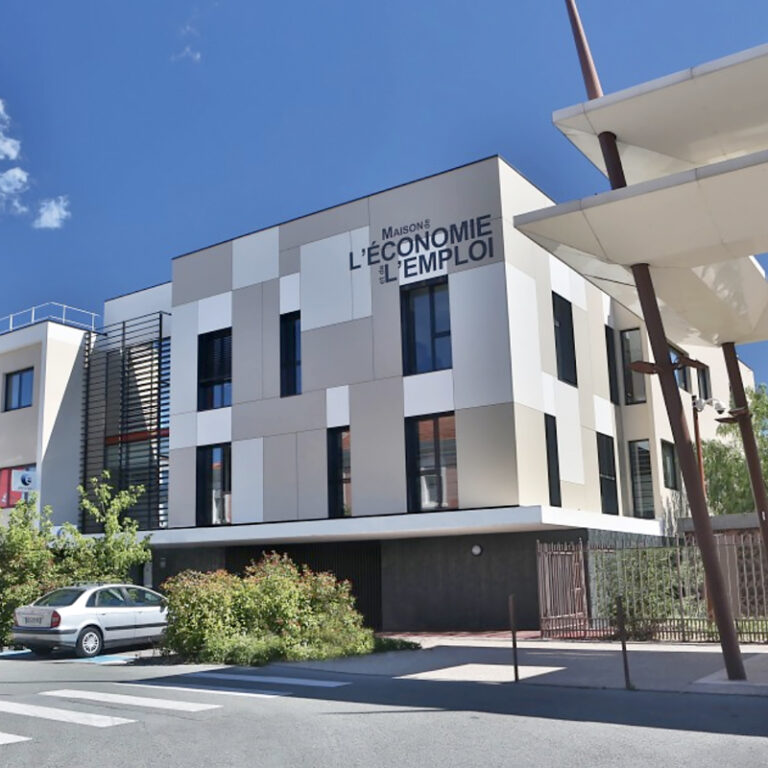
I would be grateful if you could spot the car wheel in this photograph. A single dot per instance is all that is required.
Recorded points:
(89, 643)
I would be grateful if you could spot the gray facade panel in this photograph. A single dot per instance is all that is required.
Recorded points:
(387, 345)
(290, 262)
(279, 416)
(270, 339)
(337, 354)
(318, 226)
(485, 452)
(182, 488)
(378, 447)
(280, 479)
(202, 274)
(312, 453)
(247, 355)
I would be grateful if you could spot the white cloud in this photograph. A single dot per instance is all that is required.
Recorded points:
(52, 213)
(9, 147)
(13, 183)
(188, 53)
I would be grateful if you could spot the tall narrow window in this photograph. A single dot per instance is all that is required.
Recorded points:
(18, 389)
(705, 385)
(426, 327)
(553, 461)
(290, 354)
(339, 473)
(642, 478)
(214, 370)
(214, 485)
(430, 455)
(606, 462)
(632, 351)
(681, 374)
(613, 375)
(564, 346)
(669, 466)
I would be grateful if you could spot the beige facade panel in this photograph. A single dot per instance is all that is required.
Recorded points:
(280, 478)
(312, 464)
(202, 274)
(290, 261)
(270, 339)
(387, 345)
(279, 416)
(318, 226)
(182, 488)
(337, 355)
(19, 428)
(247, 352)
(530, 457)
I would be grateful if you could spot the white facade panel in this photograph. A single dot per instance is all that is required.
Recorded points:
(290, 294)
(326, 286)
(337, 407)
(248, 481)
(256, 258)
(428, 393)
(549, 403)
(604, 416)
(138, 304)
(524, 338)
(214, 426)
(578, 290)
(361, 278)
(184, 359)
(480, 337)
(183, 431)
(214, 313)
(569, 443)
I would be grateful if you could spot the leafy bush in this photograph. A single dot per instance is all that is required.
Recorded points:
(276, 611)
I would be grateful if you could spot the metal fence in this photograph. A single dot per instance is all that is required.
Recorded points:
(59, 313)
(663, 589)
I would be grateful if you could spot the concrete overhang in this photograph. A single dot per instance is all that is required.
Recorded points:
(703, 115)
(697, 230)
(458, 523)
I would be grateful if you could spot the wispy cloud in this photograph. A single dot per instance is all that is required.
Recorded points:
(52, 213)
(9, 147)
(188, 53)
(13, 184)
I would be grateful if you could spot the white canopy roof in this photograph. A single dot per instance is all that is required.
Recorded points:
(696, 229)
(703, 115)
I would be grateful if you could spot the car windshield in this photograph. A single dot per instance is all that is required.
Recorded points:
(60, 597)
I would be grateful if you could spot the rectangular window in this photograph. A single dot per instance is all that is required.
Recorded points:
(553, 461)
(642, 478)
(564, 347)
(631, 352)
(214, 370)
(430, 455)
(290, 354)
(613, 375)
(606, 462)
(705, 386)
(339, 473)
(426, 327)
(9, 497)
(214, 485)
(669, 465)
(681, 374)
(18, 389)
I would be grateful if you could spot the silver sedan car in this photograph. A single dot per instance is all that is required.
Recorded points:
(89, 618)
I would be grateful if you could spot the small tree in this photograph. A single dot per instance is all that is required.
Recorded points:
(728, 487)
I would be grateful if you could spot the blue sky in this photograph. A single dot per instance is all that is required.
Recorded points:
(148, 129)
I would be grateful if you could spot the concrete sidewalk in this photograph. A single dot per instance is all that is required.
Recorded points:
(487, 658)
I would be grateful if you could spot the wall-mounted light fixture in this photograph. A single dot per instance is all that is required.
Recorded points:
(476, 550)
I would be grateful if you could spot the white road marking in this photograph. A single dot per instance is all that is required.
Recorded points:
(132, 701)
(301, 681)
(10, 738)
(63, 715)
(218, 689)
(481, 673)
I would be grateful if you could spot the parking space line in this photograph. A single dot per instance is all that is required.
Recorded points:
(300, 681)
(131, 701)
(62, 715)
(11, 738)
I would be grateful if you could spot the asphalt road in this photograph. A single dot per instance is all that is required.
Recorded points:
(65, 713)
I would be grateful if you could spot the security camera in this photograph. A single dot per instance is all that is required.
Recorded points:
(718, 405)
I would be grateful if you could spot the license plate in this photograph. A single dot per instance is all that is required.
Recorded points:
(33, 621)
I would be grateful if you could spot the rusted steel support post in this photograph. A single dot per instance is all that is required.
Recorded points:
(748, 438)
(699, 452)
(734, 664)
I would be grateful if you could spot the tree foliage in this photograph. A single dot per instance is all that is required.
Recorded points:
(35, 558)
(728, 488)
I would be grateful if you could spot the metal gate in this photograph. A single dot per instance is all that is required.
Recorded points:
(563, 607)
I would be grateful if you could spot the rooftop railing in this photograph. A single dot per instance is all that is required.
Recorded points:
(58, 313)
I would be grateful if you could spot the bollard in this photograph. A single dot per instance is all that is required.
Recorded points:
(513, 629)
(621, 620)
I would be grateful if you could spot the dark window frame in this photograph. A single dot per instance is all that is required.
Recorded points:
(669, 464)
(408, 326)
(337, 477)
(204, 481)
(613, 373)
(682, 375)
(565, 345)
(606, 468)
(214, 382)
(290, 354)
(413, 470)
(704, 381)
(553, 461)
(630, 376)
(635, 480)
(8, 393)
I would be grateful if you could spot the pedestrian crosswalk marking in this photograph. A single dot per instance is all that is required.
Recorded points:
(219, 689)
(11, 738)
(246, 678)
(62, 715)
(132, 701)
